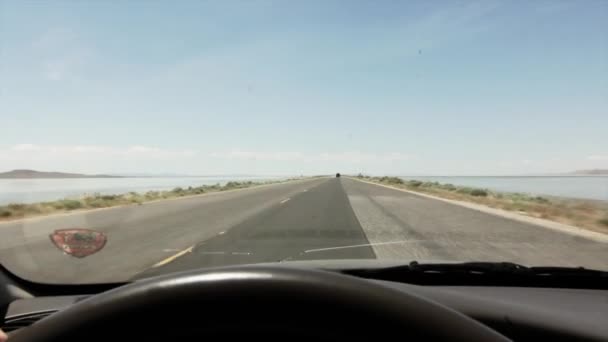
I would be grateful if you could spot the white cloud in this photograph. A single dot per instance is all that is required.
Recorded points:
(55, 71)
(32, 150)
(25, 147)
(251, 155)
(347, 157)
(153, 159)
(53, 38)
(156, 152)
(23, 151)
(67, 65)
(144, 158)
(553, 7)
(61, 54)
(99, 158)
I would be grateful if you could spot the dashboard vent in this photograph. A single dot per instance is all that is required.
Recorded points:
(22, 321)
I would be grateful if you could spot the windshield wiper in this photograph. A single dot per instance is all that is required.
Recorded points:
(487, 273)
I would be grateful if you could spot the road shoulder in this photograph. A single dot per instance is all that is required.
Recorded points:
(564, 228)
(32, 219)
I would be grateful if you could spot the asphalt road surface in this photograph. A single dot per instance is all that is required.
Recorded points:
(328, 218)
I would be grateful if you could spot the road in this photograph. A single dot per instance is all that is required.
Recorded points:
(328, 218)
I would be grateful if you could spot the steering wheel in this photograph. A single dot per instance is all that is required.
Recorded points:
(256, 302)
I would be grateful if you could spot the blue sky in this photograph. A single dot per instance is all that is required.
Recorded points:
(285, 87)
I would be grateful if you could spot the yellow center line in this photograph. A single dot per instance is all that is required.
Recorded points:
(173, 257)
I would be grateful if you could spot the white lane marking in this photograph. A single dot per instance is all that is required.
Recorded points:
(285, 200)
(221, 233)
(305, 190)
(173, 257)
(363, 245)
(241, 253)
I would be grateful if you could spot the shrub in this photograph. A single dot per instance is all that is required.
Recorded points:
(177, 190)
(67, 204)
(464, 190)
(540, 199)
(109, 197)
(479, 192)
(395, 180)
(233, 185)
(136, 200)
(414, 183)
(449, 187)
(604, 221)
(16, 206)
(97, 203)
(152, 194)
(72, 204)
(517, 196)
(33, 209)
(5, 213)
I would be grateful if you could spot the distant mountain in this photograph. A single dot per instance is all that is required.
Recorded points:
(591, 172)
(42, 174)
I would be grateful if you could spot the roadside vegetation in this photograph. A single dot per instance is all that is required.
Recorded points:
(588, 214)
(95, 201)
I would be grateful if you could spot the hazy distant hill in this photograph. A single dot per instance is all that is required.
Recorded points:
(591, 172)
(42, 174)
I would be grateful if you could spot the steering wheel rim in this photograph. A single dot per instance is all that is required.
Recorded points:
(274, 299)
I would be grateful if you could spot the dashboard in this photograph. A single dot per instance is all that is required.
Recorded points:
(519, 313)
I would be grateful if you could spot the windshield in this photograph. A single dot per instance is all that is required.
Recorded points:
(141, 138)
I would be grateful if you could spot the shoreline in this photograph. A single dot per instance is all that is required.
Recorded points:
(38, 190)
(20, 211)
(583, 187)
(587, 214)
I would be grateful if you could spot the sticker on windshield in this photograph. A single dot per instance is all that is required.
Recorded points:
(77, 242)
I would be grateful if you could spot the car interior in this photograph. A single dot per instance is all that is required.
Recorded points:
(359, 300)
(332, 170)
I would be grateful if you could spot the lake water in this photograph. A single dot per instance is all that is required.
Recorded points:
(37, 190)
(588, 187)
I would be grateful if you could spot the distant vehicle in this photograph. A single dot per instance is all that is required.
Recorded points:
(337, 175)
